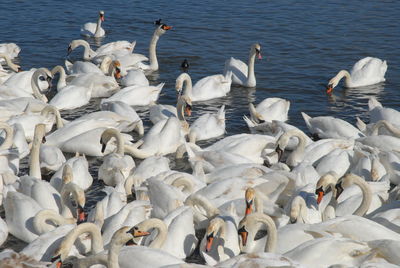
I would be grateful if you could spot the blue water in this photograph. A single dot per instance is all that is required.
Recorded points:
(304, 44)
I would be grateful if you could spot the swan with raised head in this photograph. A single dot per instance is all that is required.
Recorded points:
(243, 74)
(365, 72)
(91, 29)
(161, 29)
(270, 109)
(207, 88)
(159, 112)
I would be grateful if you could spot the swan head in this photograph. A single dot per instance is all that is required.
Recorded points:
(212, 229)
(125, 235)
(180, 81)
(43, 78)
(188, 105)
(117, 66)
(335, 80)
(256, 48)
(101, 15)
(325, 184)
(249, 197)
(162, 28)
(295, 209)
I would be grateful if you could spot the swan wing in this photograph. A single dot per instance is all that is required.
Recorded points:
(239, 70)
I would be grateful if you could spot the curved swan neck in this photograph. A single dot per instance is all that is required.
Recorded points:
(51, 109)
(251, 77)
(271, 229)
(9, 63)
(34, 162)
(135, 152)
(199, 200)
(88, 53)
(106, 64)
(180, 109)
(350, 179)
(8, 140)
(62, 80)
(40, 220)
(185, 83)
(340, 75)
(298, 209)
(390, 127)
(110, 133)
(185, 182)
(161, 228)
(78, 195)
(34, 83)
(152, 51)
(69, 240)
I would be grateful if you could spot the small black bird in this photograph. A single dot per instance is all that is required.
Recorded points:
(185, 66)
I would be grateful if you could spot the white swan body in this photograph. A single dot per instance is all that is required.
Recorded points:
(161, 29)
(71, 97)
(207, 88)
(163, 138)
(137, 95)
(208, 126)
(20, 210)
(134, 78)
(3, 231)
(377, 112)
(91, 29)
(81, 67)
(326, 127)
(365, 72)
(10, 49)
(243, 74)
(115, 163)
(26, 84)
(270, 109)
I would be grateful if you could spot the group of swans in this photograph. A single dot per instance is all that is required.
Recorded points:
(302, 192)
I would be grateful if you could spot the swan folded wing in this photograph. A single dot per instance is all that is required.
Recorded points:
(239, 70)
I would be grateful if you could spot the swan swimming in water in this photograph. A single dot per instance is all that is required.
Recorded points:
(367, 71)
(91, 29)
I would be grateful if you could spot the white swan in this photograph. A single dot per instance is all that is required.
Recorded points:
(125, 110)
(325, 127)
(137, 95)
(3, 231)
(27, 84)
(9, 157)
(207, 88)
(208, 126)
(134, 78)
(220, 242)
(377, 112)
(10, 49)
(91, 29)
(163, 138)
(159, 112)
(270, 109)
(367, 71)
(161, 29)
(115, 163)
(4, 74)
(243, 74)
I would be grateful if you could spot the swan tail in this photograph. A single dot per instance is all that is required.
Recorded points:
(254, 115)
(68, 66)
(383, 70)
(250, 123)
(228, 76)
(361, 125)
(373, 103)
(307, 119)
(221, 113)
(133, 44)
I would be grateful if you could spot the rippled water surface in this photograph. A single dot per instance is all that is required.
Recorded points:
(304, 44)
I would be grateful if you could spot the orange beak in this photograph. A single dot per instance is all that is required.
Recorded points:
(81, 215)
(59, 264)
(329, 89)
(249, 207)
(188, 111)
(102, 17)
(166, 27)
(117, 73)
(138, 233)
(209, 243)
(320, 196)
(244, 237)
